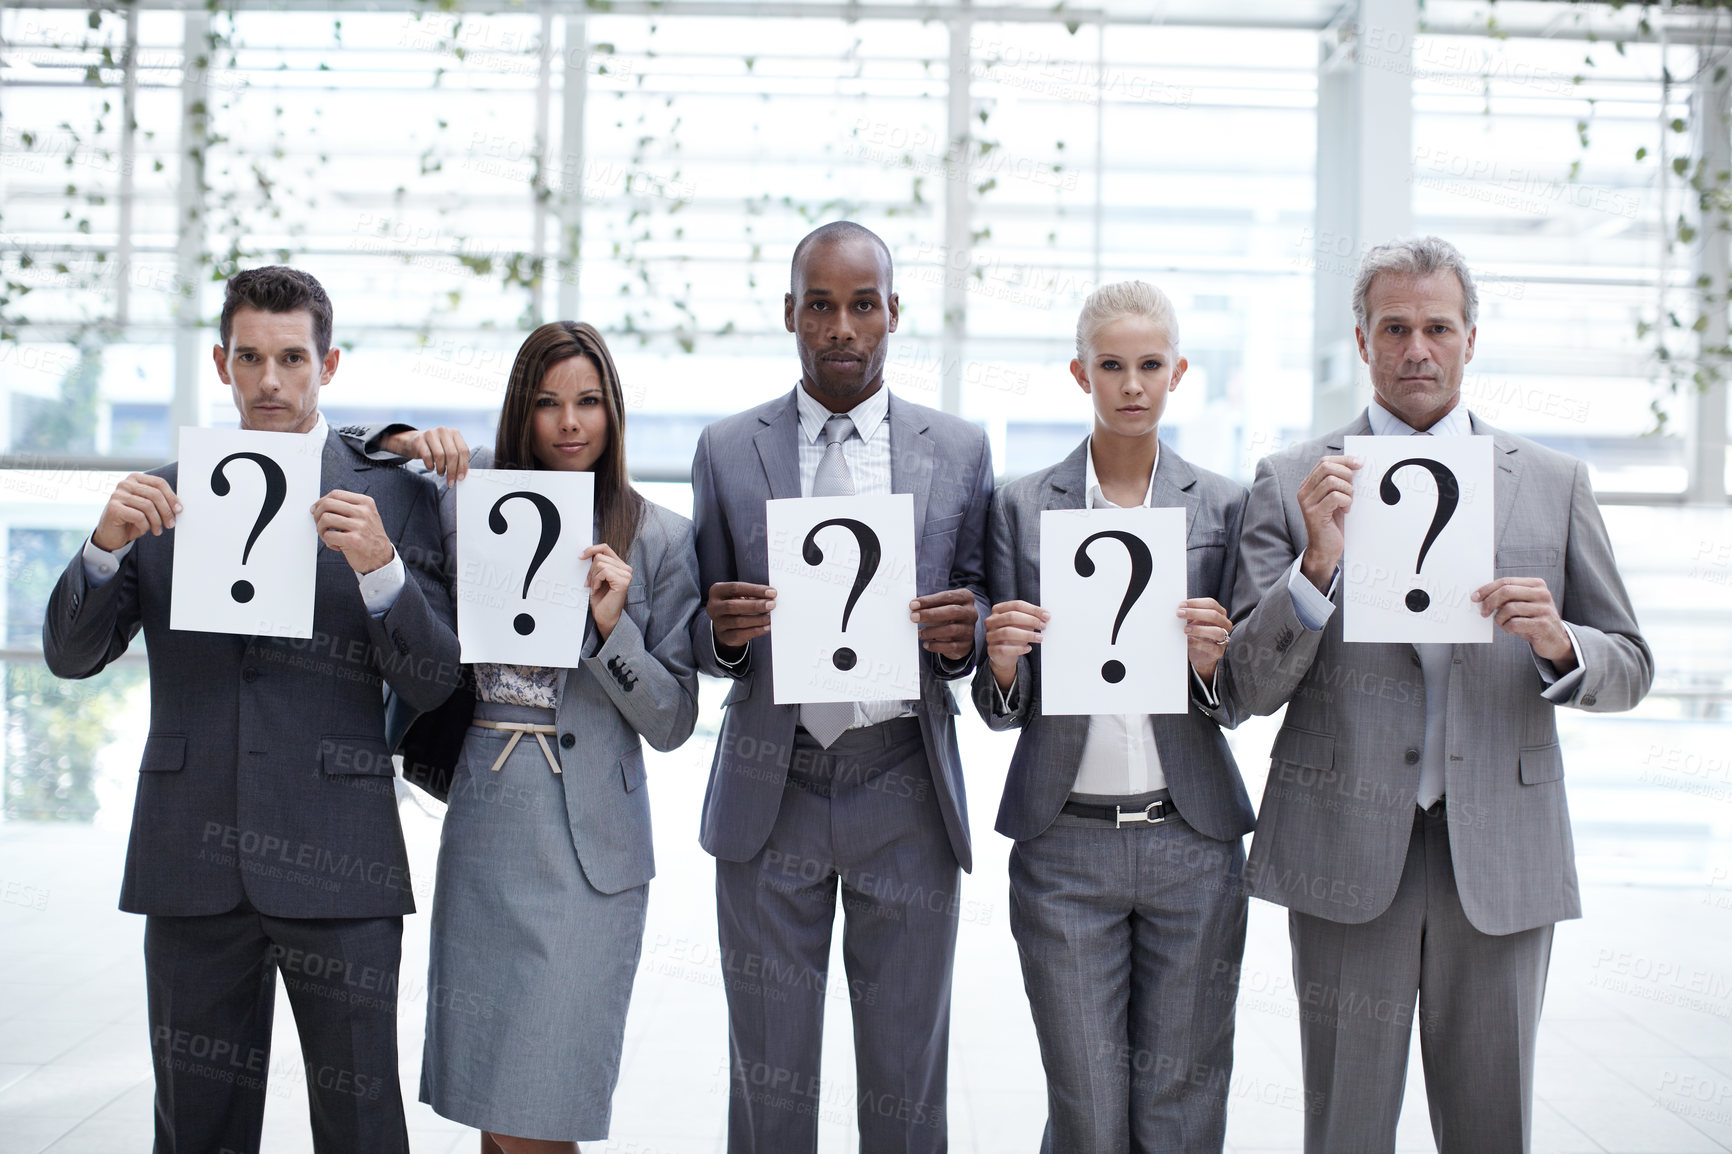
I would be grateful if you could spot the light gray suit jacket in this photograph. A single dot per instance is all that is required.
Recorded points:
(1333, 828)
(640, 683)
(1200, 771)
(743, 461)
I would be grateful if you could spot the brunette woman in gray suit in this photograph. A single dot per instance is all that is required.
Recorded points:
(545, 859)
(1125, 894)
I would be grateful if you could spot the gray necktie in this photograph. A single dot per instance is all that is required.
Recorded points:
(1434, 662)
(825, 721)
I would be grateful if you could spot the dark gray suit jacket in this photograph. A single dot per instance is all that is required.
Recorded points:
(1333, 828)
(266, 773)
(743, 461)
(1200, 771)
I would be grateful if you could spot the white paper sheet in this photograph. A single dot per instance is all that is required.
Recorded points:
(816, 568)
(1397, 585)
(521, 597)
(1082, 668)
(245, 547)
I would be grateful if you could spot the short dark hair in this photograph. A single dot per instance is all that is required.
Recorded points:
(277, 288)
(834, 232)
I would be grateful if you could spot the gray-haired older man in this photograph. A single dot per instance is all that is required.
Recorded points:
(1414, 820)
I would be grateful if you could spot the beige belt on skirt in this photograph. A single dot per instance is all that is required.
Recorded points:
(517, 729)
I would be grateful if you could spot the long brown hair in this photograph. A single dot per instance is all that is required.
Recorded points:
(618, 506)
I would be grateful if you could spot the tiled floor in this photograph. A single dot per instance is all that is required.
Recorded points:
(1636, 1049)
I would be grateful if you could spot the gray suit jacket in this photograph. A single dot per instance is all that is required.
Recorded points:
(1200, 771)
(1333, 828)
(640, 685)
(743, 461)
(266, 773)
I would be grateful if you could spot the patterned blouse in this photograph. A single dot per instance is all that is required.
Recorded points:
(532, 685)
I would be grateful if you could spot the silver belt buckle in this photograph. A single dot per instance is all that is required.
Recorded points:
(1147, 814)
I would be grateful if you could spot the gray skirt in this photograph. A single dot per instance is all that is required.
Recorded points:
(530, 967)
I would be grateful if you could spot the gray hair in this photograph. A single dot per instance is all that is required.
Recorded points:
(1127, 298)
(1415, 256)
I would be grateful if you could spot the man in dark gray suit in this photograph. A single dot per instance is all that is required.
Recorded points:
(1414, 820)
(265, 833)
(867, 797)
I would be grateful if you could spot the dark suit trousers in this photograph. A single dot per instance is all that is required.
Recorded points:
(861, 817)
(212, 987)
(1478, 998)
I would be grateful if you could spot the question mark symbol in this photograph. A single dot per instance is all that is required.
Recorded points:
(276, 489)
(870, 552)
(1142, 568)
(1448, 496)
(523, 622)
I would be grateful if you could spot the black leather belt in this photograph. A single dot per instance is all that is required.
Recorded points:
(1153, 814)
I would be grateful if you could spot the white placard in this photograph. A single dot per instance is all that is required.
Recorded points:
(521, 597)
(1418, 539)
(836, 560)
(1091, 564)
(246, 553)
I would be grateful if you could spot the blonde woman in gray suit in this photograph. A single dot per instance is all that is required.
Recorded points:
(545, 859)
(1125, 894)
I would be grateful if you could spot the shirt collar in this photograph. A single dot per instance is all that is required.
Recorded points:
(320, 430)
(867, 416)
(1384, 423)
(1092, 486)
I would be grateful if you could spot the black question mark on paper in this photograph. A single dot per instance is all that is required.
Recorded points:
(1448, 496)
(276, 488)
(1142, 568)
(523, 622)
(870, 552)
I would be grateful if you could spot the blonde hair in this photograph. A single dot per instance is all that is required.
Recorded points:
(1127, 298)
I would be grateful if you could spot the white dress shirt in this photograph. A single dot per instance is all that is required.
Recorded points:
(1314, 610)
(1119, 758)
(379, 589)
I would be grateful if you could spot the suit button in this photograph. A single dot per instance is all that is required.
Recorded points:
(249, 675)
(567, 740)
(1587, 699)
(1412, 757)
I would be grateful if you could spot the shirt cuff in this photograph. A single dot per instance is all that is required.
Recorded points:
(738, 662)
(1561, 688)
(950, 667)
(1207, 693)
(99, 564)
(1004, 696)
(1311, 607)
(380, 588)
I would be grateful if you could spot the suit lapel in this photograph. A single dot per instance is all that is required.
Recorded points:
(1359, 427)
(911, 458)
(1506, 478)
(1172, 484)
(341, 468)
(1069, 485)
(779, 450)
